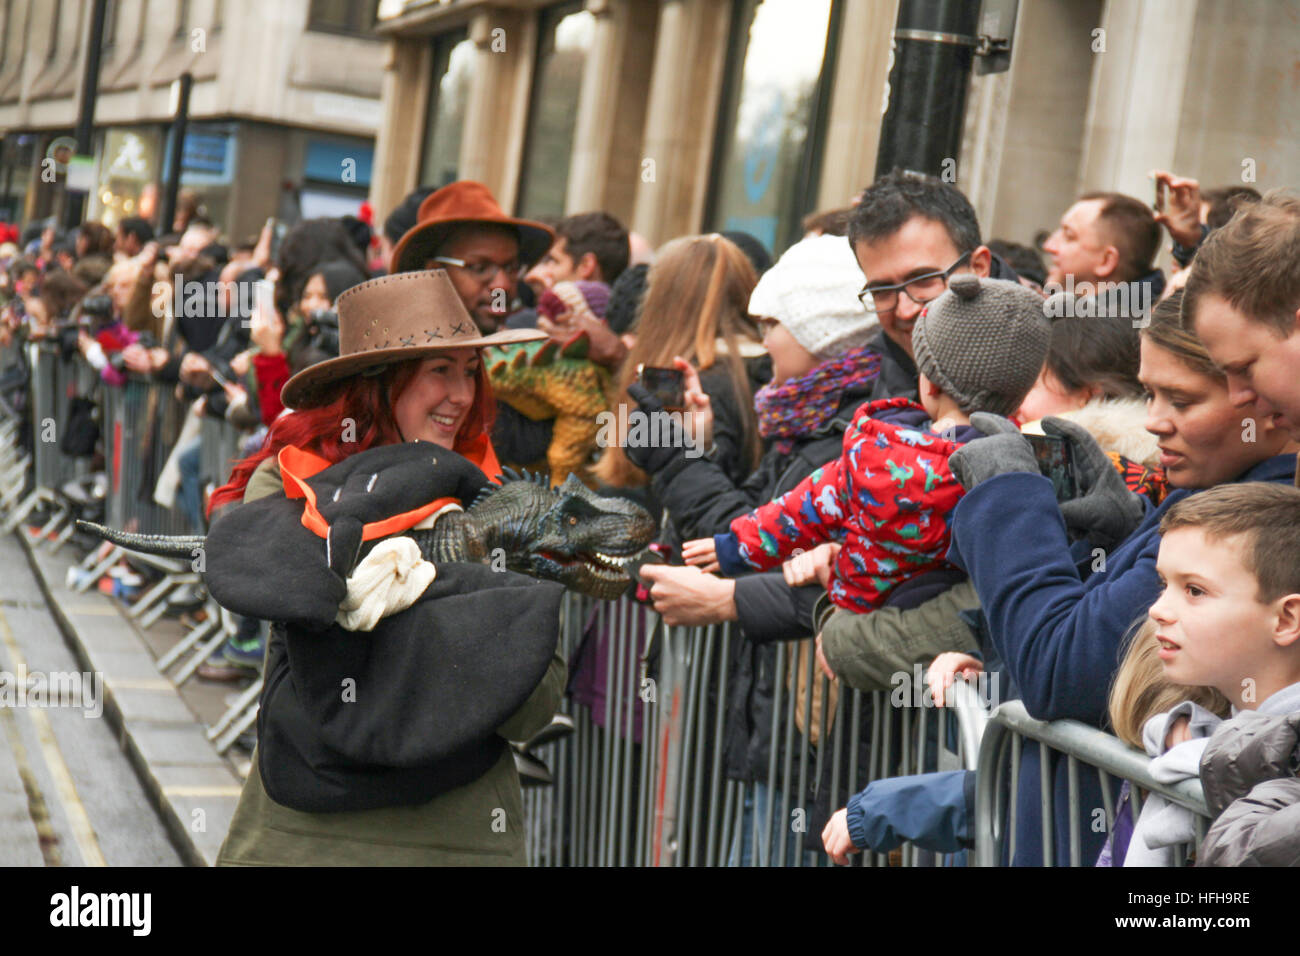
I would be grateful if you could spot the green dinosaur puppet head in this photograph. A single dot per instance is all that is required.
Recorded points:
(568, 534)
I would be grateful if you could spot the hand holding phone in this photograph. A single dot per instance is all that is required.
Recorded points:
(666, 384)
(1055, 462)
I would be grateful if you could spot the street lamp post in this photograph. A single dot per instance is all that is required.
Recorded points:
(176, 151)
(75, 202)
(934, 45)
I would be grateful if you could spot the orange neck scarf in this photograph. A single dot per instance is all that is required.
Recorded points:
(298, 464)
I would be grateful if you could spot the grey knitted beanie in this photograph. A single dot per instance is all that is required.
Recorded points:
(983, 342)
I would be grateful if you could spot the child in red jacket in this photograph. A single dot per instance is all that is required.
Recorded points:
(978, 347)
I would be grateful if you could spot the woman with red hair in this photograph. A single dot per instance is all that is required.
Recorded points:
(365, 754)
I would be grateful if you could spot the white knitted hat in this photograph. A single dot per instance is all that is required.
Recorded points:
(813, 291)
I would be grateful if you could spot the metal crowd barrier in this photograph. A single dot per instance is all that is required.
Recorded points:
(1086, 749)
(52, 385)
(142, 420)
(661, 797)
(15, 459)
(139, 425)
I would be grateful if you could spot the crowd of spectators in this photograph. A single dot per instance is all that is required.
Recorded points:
(854, 464)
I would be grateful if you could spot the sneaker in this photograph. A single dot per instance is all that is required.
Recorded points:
(217, 668)
(76, 577)
(246, 655)
(124, 574)
(80, 491)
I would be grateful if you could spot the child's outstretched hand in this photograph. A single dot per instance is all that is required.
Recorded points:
(835, 837)
(702, 553)
(812, 567)
(944, 670)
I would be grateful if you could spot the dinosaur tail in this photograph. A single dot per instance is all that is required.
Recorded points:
(168, 546)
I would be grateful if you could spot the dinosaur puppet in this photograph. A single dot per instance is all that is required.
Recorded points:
(544, 381)
(587, 542)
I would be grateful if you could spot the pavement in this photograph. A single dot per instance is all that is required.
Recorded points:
(160, 728)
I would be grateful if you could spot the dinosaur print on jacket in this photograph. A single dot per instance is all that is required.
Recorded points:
(887, 499)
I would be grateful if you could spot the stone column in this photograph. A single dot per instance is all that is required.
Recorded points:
(605, 166)
(857, 100)
(496, 116)
(682, 113)
(1239, 123)
(1137, 94)
(1025, 128)
(404, 101)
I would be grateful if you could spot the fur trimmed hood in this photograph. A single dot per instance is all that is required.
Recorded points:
(1118, 424)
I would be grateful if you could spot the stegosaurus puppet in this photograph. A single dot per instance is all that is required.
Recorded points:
(543, 380)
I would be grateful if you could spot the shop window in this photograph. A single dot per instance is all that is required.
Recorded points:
(208, 161)
(770, 123)
(564, 39)
(128, 166)
(453, 72)
(335, 177)
(339, 164)
(342, 16)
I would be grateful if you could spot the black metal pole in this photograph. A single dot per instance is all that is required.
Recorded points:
(75, 203)
(176, 154)
(934, 44)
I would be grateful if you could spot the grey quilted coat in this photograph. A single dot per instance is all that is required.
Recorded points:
(1249, 773)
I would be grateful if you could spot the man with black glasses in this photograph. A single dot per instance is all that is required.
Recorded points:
(910, 234)
(461, 228)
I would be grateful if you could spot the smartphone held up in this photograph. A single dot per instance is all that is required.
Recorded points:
(666, 384)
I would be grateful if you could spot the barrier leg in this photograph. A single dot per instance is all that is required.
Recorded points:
(26, 507)
(245, 721)
(147, 600)
(233, 712)
(202, 654)
(56, 521)
(195, 635)
(96, 572)
(63, 537)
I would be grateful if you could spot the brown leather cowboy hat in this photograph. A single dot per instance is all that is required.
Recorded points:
(394, 318)
(457, 204)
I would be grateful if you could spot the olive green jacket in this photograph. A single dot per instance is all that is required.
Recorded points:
(868, 651)
(480, 824)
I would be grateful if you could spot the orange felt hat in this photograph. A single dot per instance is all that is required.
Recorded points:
(458, 204)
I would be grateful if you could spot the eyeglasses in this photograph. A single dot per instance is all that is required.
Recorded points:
(920, 290)
(485, 271)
